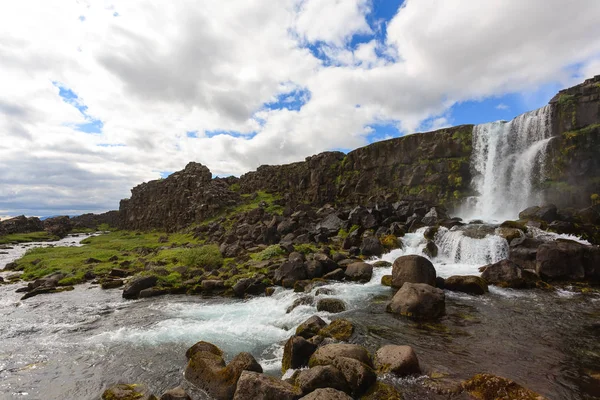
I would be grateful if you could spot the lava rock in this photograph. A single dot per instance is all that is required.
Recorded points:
(371, 247)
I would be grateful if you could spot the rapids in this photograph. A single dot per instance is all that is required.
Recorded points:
(71, 345)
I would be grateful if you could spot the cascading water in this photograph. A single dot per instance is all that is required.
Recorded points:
(509, 162)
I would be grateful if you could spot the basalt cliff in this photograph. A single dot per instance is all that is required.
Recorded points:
(433, 167)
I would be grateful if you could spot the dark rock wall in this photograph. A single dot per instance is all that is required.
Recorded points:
(574, 154)
(20, 224)
(433, 167)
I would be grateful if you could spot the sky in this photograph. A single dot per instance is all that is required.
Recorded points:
(97, 97)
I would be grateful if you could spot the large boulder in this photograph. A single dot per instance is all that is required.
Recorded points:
(359, 271)
(413, 269)
(546, 213)
(133, 288)
(321, 376)
(340, 329)
(203, 346)
(418, 301)
(490, 387)
(399, 360)
(331, 305)
(290, 272)
(325, 355)
(508, 274)
(296, 353)
(467, 284)
(332, 224)
(58, 226)
(310, 327)
(207, 371)
(326, 394)
(565, 259)
(257, 386)
(371, 247)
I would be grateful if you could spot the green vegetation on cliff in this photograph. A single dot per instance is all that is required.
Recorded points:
(42, 236)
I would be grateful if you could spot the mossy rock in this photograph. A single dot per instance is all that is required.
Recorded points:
(514, 225)
(340, 329)
(382, 391)
(386, 280)
(491, 387)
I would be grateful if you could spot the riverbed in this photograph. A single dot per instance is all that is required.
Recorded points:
(72, 345)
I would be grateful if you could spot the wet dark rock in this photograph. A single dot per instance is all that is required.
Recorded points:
(321, 377)
(118, 273)
(413, 269)
(326, 394)
(255, 386)
(58, 226)
(333, 306)
(175, 394)
(133, 288)
(431, 249)
(490, 387)
(128, 392)
(546, 213)
(212, 285)
(353, 239)
(301, 301)
(381, 264)
(359, 271)
(21, 224)
(508, 274)
(386, 280)
(332, 223)
(324, 292)
(467, 284)
(111, 283)
(203, 346)
(252, 286)
(399, 360)
(310, 327)
(371, 247)
(296, 353)
(327, 264)
(565, 259)
(418, 301)
(152, 292)
(314, 269)
(432, 217)
(336, 275)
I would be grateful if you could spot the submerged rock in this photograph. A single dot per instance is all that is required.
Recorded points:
(490, 387)
(418, 301)
(413, 269)
(175, 394)
(257, 386)
(467, 284)
(128, 392)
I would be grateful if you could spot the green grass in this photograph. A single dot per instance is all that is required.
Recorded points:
(42, 236)
(268, 253)
(208, 257)
(306, 248)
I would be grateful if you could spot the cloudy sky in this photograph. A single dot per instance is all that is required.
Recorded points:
(99, 96)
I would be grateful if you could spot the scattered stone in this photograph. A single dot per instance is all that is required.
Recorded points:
(290, 271)
(382, 391)
(301, 301)
(257, 386)
(326, 354)
(340, 329)
(418, 301)
(111, 284)
(203, 346)
(360, 271)
(152, 292)
(324, 292)
(566, 259)
(382, 264)
(336, 275)
(310, 327)
(399, 360)
(371, 247)
(413, 269)
(118, 273)
(333, 306)
(467, 284)
(296, 353)
(359, 375)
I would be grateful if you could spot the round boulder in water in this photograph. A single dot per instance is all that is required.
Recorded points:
(326, 394)
(399, 360)
(467, 284)
(413, 269)
(418, 301)
(359, 271)
(331, 305)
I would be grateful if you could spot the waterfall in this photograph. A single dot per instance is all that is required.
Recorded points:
(508, 162)
(457, 247)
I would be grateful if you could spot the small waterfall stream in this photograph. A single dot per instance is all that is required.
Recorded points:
(508, 162)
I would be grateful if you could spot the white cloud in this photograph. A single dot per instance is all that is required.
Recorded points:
(156, 72)
(502, 106)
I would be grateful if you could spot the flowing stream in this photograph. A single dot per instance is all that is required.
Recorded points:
(72, 345)
(508, 163)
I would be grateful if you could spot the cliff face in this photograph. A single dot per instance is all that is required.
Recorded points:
(433, 167)
(574, 154)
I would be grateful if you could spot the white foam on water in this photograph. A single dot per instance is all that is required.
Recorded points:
(546, 236)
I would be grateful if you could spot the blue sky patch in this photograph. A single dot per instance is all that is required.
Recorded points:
(292, 101)
(218, 132)
(92, 125)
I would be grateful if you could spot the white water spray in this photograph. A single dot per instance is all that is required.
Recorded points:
(509, 162)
